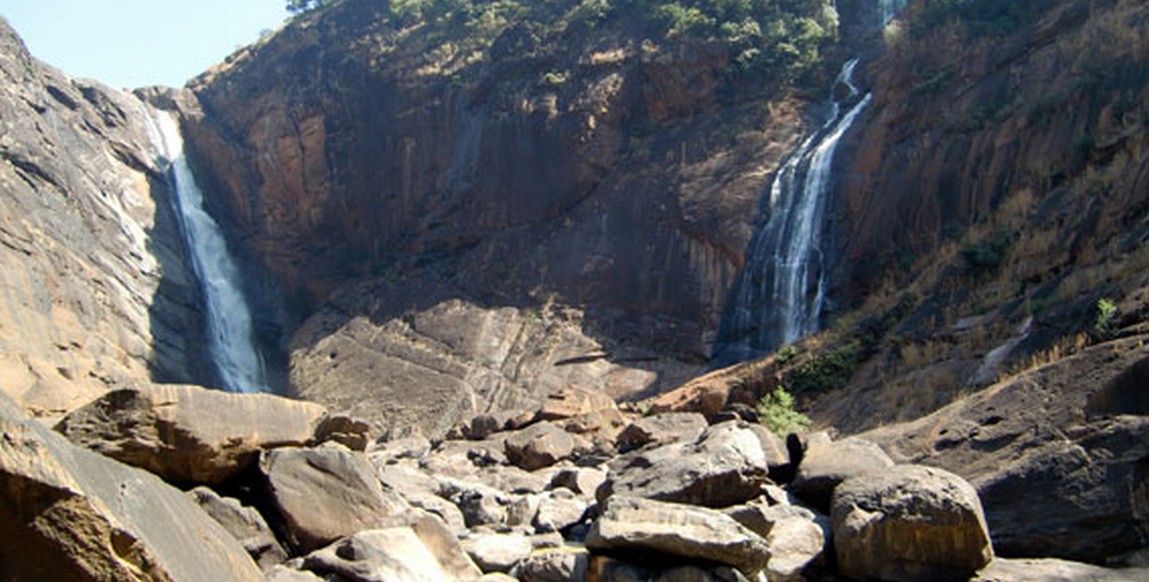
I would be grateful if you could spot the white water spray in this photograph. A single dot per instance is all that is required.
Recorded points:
(229, 322)
(783, 286)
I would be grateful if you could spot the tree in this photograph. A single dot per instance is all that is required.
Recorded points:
(298, 6)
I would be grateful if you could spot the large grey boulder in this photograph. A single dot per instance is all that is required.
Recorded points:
(244, 523)
(190, 434)
(493, 552)
(796, 536)
(325, 493)
(827, 463)
(724, 466)
(631, 524)
(558, 510)
(421, 551)
(67, 513)
(909, 523)
(539, 445)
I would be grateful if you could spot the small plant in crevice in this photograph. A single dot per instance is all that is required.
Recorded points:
(1106, 322)
(777, 413)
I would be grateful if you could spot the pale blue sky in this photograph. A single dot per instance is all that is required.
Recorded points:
(135, 43)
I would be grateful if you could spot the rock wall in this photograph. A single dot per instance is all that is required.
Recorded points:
(1011, 120)
(95, 292)
(622, 180)
(383, 175)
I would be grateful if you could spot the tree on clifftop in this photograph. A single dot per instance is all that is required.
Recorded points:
(298, 6)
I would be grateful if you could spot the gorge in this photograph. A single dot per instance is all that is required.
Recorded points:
(532, 267)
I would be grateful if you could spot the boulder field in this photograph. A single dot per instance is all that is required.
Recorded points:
(565, 492)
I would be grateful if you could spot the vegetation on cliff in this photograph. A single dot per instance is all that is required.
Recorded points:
(783, 40)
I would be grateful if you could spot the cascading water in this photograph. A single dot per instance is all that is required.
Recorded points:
(782, 290)
(890, 9)
(229, 322)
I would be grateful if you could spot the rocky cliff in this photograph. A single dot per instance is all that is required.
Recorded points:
(387, 170)
(96, 293)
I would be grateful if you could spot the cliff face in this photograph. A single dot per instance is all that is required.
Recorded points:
(381, 171)
(980, 120)
(515, 171)
(993, 195)
(94, 289)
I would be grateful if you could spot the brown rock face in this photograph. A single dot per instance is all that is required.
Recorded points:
(189, 434)
(626, 186)
(96, 291)
(1010, 124)
(1052, 481)
(67, 514)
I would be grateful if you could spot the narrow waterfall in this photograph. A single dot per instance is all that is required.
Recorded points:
(782, 289)
(229, 322)
(890, 9)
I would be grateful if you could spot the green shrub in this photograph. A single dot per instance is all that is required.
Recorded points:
(1106, 322)
(825, 371)
(776, 412)
(986, 256)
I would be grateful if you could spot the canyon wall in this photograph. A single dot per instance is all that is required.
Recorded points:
(95, 292)
(381, 172)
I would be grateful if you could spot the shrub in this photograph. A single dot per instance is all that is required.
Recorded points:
(825, 371)
(986, 256)
(1106, 321)
(776, 412)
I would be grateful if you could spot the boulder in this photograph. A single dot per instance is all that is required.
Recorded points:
(420, 490)
(1054, 570)
(539, 445)
(244, 523)
(67, 513)
(190, 434)
(631, 524)
(582, 480)
(480, 504)
(909, 522)
(497, 552)
(573, 401)
(325, 493)
(390, 451)
(346, 430)
(661, 429)
(559, 510)
(284, 574)
(827, 463)
(421, 551)
(724, 466)
(1054, 480)
(796, 536)
(609, 569)
(557, 565)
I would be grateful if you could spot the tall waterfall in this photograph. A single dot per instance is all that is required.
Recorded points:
(229, 322)
(783, 288)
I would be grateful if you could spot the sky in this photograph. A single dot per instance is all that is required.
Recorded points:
(136, 43)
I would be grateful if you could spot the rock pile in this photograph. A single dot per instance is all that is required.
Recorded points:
(548, 497)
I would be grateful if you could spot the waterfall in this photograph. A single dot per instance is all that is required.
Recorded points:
(229, 322)
(890, 9)
(782, 290)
